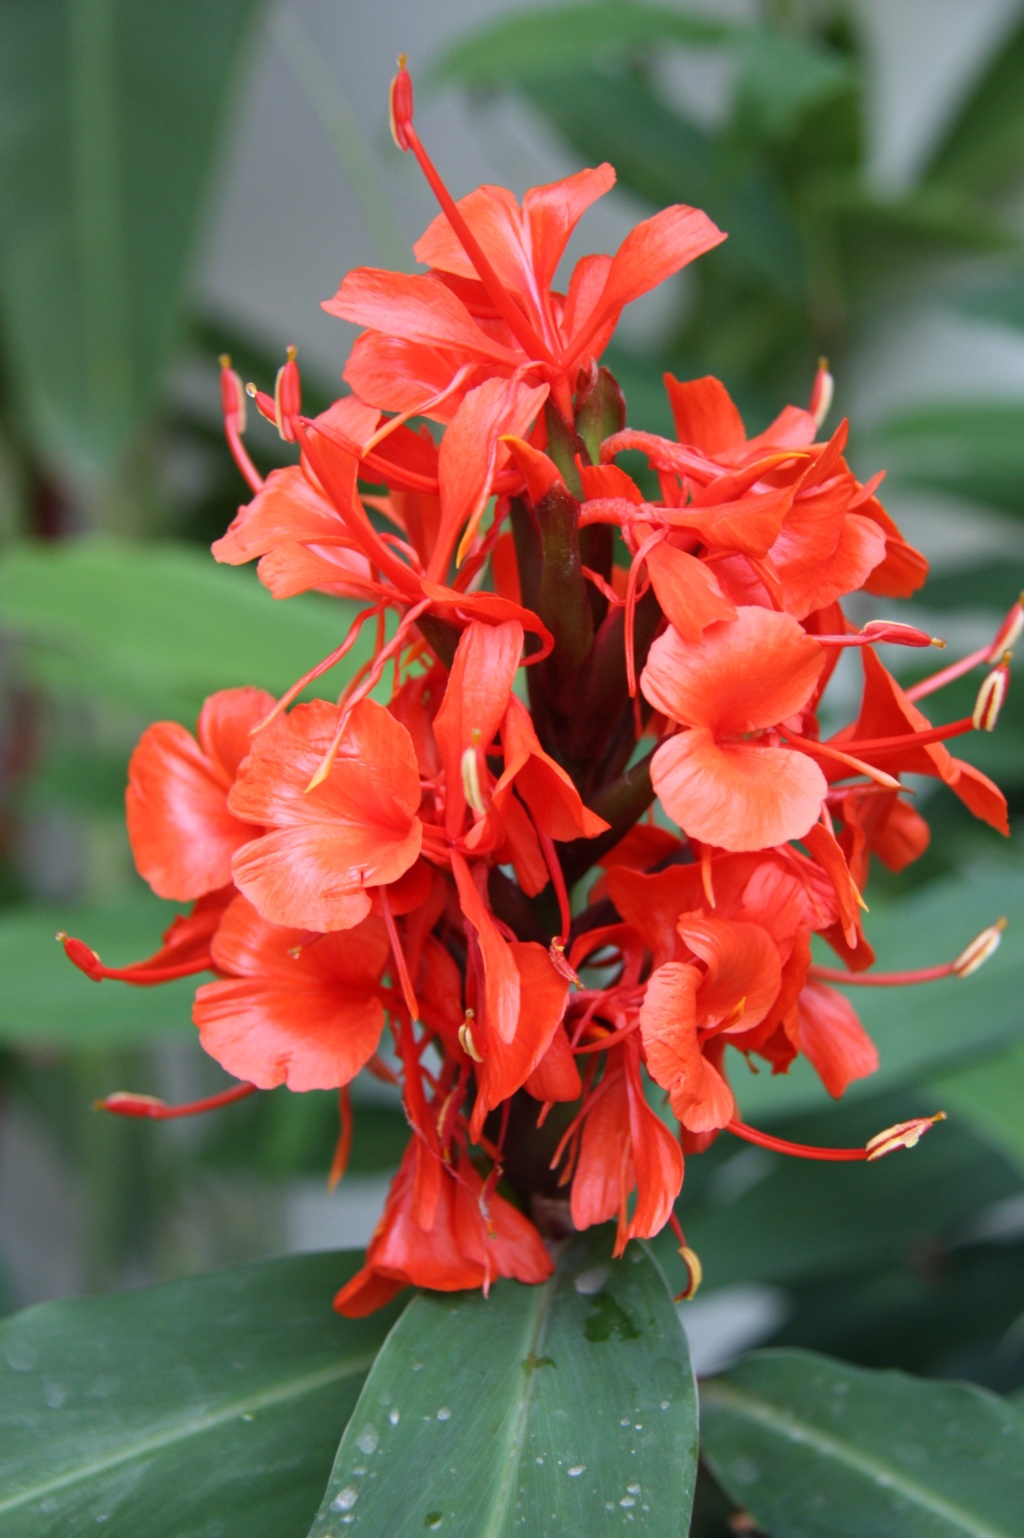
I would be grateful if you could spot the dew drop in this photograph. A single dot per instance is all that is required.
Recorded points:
(665, 1403)
(394, 1417)
(633, 1489)
(345, 1499)
(417, 1366)
(444, 1414)
(54, 1395)
(433, 1520)
(247, 1417)
(367, 1440)
(576, 1470)
(590, 1282)
(624, 1421)
(627, 1500)
(21, 1355)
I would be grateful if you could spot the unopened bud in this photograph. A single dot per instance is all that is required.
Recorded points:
(905, 1134)
(980, 949)
(991, 696)
(287, 397)
(472, 789)
(400, 106)
(695, 1273)
(232, 395)
(822, 391)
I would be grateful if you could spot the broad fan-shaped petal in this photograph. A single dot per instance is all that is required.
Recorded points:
(738, 797)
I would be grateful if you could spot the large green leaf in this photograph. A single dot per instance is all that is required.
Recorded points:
(982, 145)
(564, 1408)
(973, 449)
(209, 1407)
(814, 1449)
(543, 41)
(990, 1095)
(755, 1216)
(921, 1031)
(47, 1002)
(109, 118)
(160, 626)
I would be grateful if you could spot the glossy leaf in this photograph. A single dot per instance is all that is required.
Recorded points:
(160, 626)
(109, 122)
(46, 1002)
(811, 1448)
(209, 1407)
(567, 1407)
(920, 1031)
(755, 1216)
(989, 1095)
(545, 41)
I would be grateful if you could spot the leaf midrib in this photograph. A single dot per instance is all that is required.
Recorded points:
(194, 1426)
(785, 1422)
(516, 1423)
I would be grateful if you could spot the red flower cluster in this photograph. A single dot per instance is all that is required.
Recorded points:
(570, 832)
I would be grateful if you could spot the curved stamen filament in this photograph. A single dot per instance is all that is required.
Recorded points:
(123, 1103)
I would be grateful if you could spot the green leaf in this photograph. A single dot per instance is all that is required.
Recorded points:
(543, 41)
(814, 1449)
(209, 1407)
(110, 117)
(46, 1002)
(657, 152)
(783, 77)
(563, 1408)
(999, 299)
(160, 626)
(972, 449)
(755, 1216)
(981, 148)
(922, 1031)
(989, 1095)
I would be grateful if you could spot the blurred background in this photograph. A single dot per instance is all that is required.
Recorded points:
(179, 181)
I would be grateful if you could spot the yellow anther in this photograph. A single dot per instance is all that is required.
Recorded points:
(980, 949)
(695, 1272)
(471, 786)
(991, 696)
(466, 1041)
(905, 1134)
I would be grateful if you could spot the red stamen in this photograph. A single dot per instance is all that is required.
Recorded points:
(408, 993)
(905, 1134)
(232, 399)
(140, 973)
(324, 666)
(407, 138)
(123, 1103)
(339, 1163)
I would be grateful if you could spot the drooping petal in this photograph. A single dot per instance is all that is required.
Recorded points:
(182, 834)
(555, 803)
(507, 1065)
(479, 686)
(308, 1016)
(502, 989)
(738, 797)
(414, 308)
(687, 591)
(832, 1037)
(699, 1095)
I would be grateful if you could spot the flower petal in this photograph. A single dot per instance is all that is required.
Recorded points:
(741, 797)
